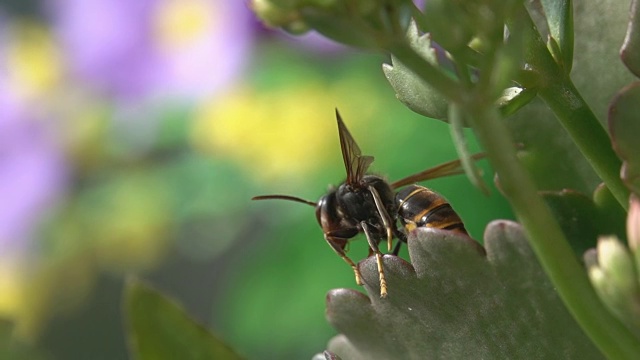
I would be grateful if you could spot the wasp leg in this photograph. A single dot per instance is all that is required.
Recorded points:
(384, 215)
(374, 246)
(402, 238)
(396, 249)
(338, 247)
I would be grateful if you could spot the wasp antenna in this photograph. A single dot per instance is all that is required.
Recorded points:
(284, 197)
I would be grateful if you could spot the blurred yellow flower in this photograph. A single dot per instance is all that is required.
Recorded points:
(284, 133)
(180, 21)
(11, 286)
(33, 59)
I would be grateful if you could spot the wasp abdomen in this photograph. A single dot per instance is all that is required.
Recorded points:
(419, 206)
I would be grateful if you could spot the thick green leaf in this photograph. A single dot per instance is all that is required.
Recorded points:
(611, 216)
(581, 219)
(630, 51)
(624, 127)
(160, 329)
(560, 21)
(456, 302)
(597, 51)
(412, 91)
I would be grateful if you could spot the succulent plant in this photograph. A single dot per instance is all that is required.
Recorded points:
(456, 301)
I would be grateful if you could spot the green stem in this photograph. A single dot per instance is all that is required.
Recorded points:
(587, 133)
(548, 241)
(556, 89)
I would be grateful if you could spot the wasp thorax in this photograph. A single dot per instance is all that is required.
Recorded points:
(356, 200)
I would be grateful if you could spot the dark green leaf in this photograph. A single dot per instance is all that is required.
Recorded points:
(581, 219)
(597, 50)
(412, 91)
(630, 51)
(160, 329)
(624, 127)
(612, 217)
(456, 302)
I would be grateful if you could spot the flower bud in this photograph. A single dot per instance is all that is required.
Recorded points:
(615, 280)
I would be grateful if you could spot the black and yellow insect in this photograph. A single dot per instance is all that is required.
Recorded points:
(368, 204)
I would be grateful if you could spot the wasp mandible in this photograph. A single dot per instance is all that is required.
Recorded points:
(368, 204)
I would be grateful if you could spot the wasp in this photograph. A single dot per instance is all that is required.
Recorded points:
(367, 203)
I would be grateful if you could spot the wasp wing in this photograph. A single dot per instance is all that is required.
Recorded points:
(363, 164)
(447, 169)
(355, 163)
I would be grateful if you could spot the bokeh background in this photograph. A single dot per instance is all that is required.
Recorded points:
(133, 135)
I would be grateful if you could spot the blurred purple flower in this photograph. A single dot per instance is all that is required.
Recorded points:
(135, 50)
(33, 172)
